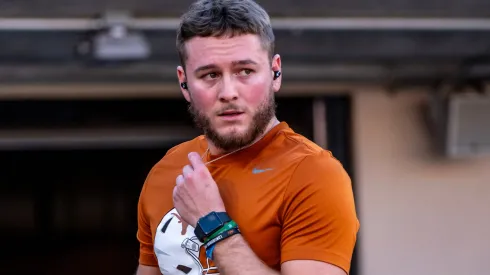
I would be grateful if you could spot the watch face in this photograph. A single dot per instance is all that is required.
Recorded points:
(210, 223)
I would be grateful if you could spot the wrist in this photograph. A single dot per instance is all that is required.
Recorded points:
(228, 242)
(223, 234)
(221, 245)
(225, 246)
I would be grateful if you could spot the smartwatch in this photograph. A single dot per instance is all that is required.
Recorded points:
(209, 224)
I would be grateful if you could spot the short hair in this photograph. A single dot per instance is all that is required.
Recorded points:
(217, 18)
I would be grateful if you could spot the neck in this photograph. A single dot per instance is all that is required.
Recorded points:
(213, 150)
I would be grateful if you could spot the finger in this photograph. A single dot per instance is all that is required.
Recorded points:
(196, 161)
(179, 180)
(187, 171)
(174, 194)
(176, 198)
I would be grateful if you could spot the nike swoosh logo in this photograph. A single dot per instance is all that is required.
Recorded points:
(258, 171)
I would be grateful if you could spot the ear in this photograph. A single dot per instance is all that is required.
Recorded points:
(182, 78)
(276, 66)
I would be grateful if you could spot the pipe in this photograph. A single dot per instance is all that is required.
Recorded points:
(93, 138)
(320, 134)
(299, 23)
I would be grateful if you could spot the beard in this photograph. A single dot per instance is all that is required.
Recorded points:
(233, 141)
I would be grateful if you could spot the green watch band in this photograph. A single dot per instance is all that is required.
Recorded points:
(229, 225)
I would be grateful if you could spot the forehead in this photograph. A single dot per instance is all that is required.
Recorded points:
(223, 51)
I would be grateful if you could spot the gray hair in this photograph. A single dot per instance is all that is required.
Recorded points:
(216, 18)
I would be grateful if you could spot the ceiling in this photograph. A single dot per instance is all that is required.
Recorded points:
(173, 8)
(329, 52)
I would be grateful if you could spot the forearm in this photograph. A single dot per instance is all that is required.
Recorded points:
(233, 256)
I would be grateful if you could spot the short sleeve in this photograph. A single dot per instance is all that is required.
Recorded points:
(318, 213)
(144, 235)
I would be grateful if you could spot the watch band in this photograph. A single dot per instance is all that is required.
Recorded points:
(222, 236)
(209, 252)
(227, 226)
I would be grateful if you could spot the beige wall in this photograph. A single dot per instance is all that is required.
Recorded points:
(419, 214)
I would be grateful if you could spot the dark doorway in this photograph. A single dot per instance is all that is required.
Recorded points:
(340, 142)
(72, 211)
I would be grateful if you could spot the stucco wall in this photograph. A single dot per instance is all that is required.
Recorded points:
(420, 214)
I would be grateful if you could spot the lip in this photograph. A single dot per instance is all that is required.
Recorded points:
(230, 115)
(228, 112)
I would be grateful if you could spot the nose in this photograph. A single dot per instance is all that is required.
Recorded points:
(228, 91)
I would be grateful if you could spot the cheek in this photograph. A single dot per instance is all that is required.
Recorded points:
(255, 94)
(204, 101)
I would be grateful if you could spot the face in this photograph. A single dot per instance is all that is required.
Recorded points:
(230, 88)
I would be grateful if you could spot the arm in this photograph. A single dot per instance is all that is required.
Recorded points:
(234, 256)
(319, 223)
(147, 270)
(147, 260)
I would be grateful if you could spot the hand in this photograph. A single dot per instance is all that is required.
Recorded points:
(196, 193)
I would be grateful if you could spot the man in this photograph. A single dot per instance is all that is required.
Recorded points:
(249, 196)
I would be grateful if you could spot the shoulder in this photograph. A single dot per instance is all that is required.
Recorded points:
(156, 192)
(322, 164)
(174, 159)
(184, 148)
(312, 169)
(178, 153)
(307, 155)
(319, 184)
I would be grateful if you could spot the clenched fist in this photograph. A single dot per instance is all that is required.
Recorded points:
(196, 193)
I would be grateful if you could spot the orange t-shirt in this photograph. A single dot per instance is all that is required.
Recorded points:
(291, 199)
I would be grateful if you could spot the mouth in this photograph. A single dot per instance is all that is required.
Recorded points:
(230, 114)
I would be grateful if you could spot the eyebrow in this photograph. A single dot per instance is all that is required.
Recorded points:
(244, 62)
(205, 68)
(235, 63)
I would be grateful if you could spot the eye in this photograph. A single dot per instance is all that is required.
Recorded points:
(245, 72)
(210, 76)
